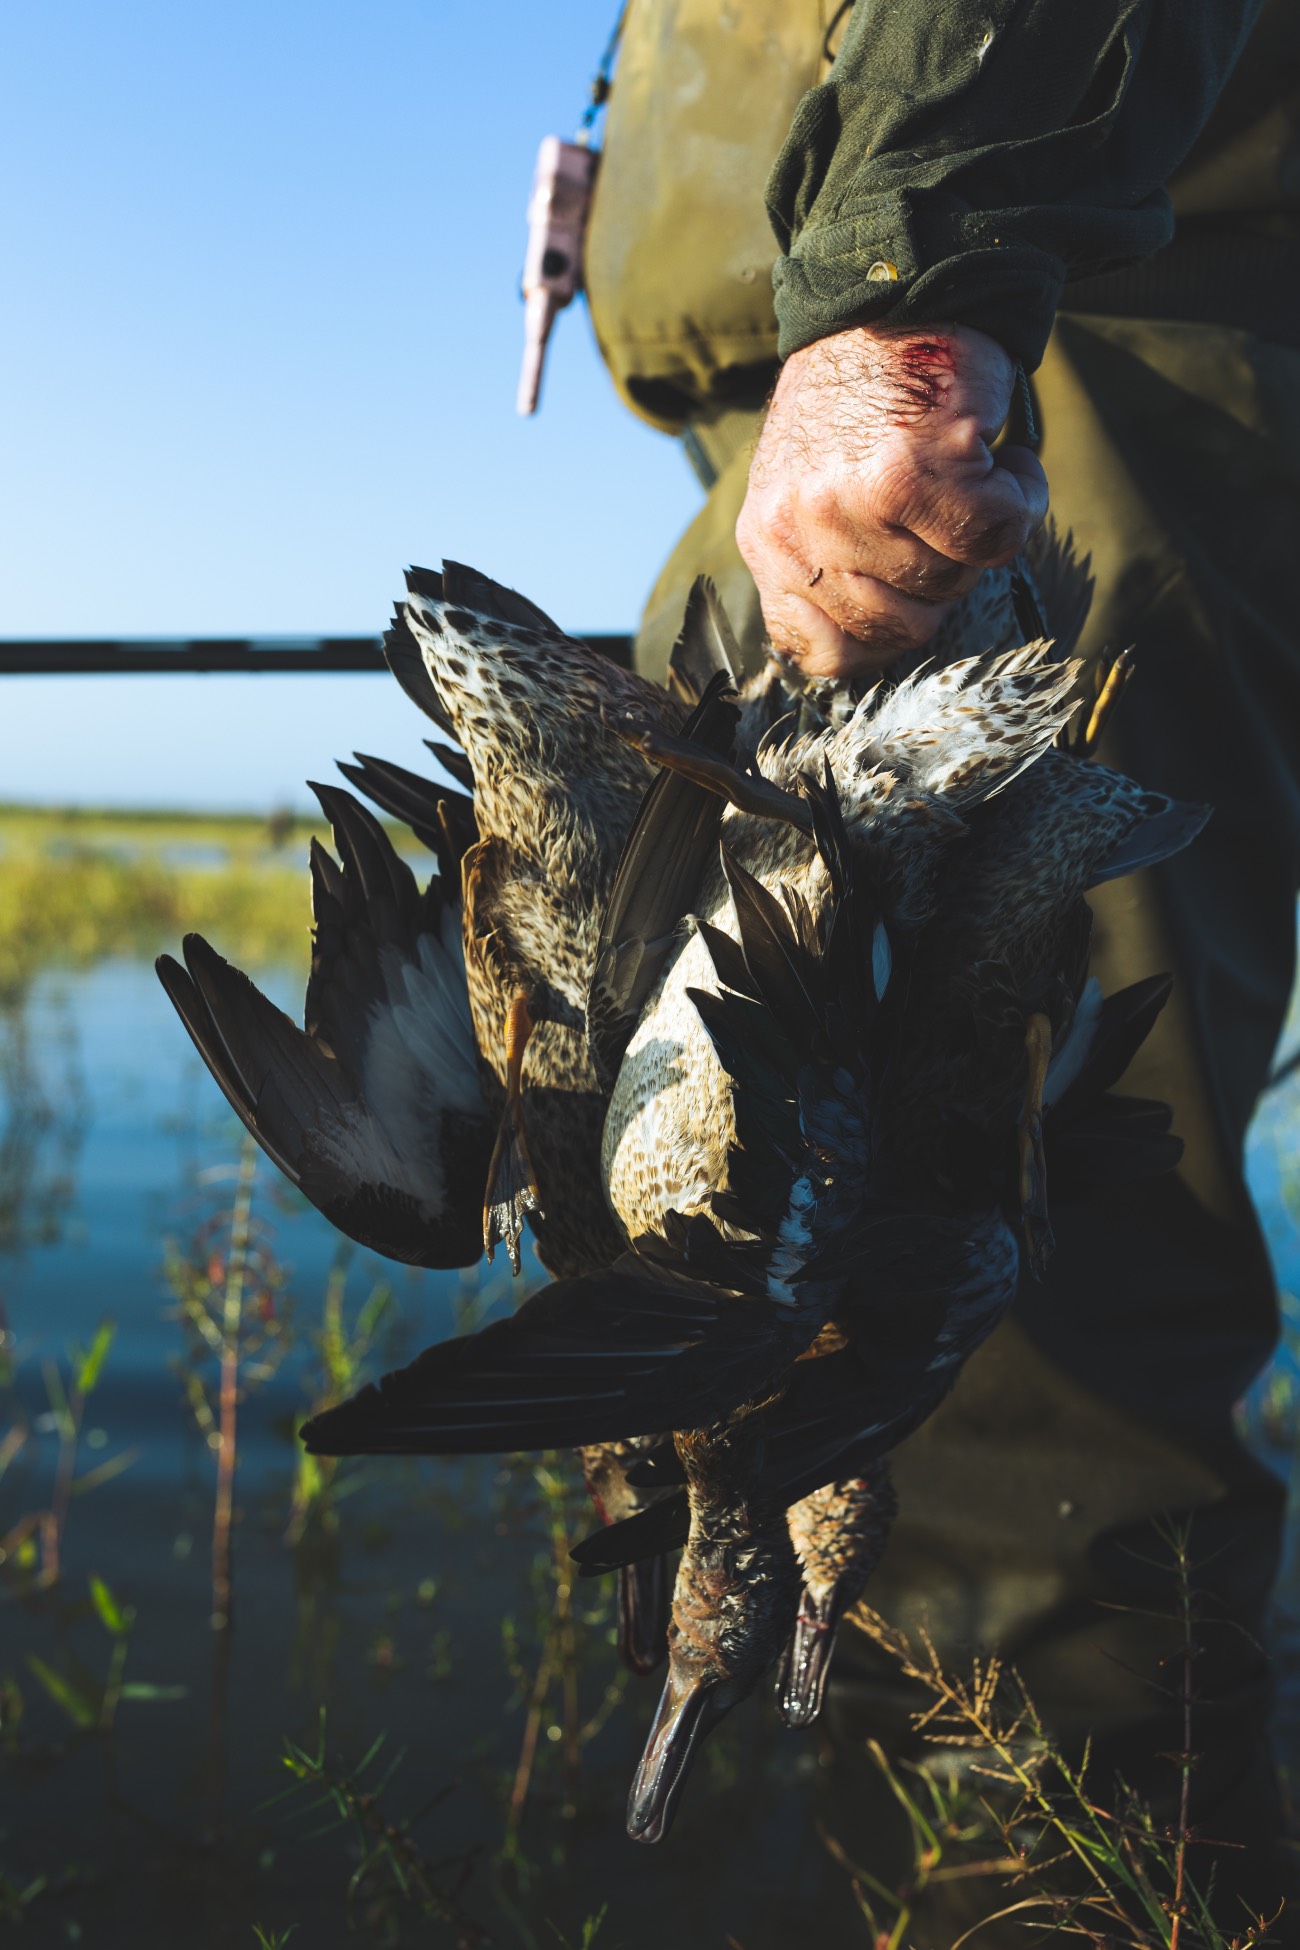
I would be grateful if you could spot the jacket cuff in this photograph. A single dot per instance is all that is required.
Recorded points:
(870, 269)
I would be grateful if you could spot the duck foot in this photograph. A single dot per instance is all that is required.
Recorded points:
(511, 1182)
(748, 792)
(839, 1533)
(806, 1661)
(1113, 687)
(1036, 1225)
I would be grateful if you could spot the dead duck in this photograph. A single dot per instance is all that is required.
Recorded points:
(895, 1348)
(736, 1588)
(398, 1109)
(497, 668)
(713, 1308)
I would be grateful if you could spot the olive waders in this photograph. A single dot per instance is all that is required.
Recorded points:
(1031, 1503)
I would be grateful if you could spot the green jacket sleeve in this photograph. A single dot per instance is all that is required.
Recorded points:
(965, 157)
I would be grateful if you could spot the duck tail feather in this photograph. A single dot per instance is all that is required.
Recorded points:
(1113, 1140)
(365, 850)
(424, 582)
(641, 1539)
(762, 1066)
(406, 660)
(1168, 828)
(1105, 1037)
(1063, 582)
(644, 1609)
(512, 1195)
(470, 589)
(858, 954)
(706, 648)
(779, 969)
(401, 794)
(454, 762)
(727, 959)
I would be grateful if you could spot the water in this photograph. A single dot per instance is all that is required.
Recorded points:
(161, 1835)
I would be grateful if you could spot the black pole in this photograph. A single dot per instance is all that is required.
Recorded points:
(247, 656)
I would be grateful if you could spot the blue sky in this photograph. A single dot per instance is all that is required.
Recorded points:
(258, 349)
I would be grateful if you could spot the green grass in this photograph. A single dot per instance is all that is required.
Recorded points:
(77, 886)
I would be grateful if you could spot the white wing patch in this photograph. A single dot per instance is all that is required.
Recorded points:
(419, 1063)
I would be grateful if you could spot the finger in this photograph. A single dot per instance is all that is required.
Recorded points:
(859, 569)
(1023, 464)
(843, 535)
(877, 612)
(983, 521)
(894, 563)
(805, 633)
(836, 622)
(832, 618)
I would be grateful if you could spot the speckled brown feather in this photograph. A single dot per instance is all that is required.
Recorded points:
(554, 798)
(909, 765)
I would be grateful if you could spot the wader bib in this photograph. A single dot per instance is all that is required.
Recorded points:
(1028, 1502)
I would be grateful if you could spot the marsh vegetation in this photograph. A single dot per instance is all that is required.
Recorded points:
(246, 1696)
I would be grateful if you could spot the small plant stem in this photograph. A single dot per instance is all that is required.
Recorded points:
(566, 1637)
(228, 1398)
(1185, 1758)
(232, 1313)
(382, 1841)
(113, 1684)
(56, 1517)
(528, 1745)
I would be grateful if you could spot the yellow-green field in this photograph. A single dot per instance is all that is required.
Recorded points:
(76, 886)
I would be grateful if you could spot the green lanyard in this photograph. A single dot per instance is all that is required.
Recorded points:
(602, 80)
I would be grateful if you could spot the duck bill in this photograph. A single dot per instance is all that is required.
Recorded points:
(643, 1614)
(806, 1661)
(686, 1712)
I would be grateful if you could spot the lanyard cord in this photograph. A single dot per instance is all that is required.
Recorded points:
(828, 50)
(601, 81)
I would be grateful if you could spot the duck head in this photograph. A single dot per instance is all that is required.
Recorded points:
(734, 1604)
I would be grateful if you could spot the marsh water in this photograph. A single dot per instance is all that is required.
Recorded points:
(139, 1801)
(418, 1606)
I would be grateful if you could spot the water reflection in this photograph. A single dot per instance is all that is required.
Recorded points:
(43, 1114)
(144, 1746)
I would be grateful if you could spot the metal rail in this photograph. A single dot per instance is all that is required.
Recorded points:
(246, 656)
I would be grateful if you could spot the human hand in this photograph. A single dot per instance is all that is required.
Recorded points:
(874, 502)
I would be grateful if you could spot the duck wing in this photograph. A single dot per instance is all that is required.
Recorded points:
(444, 822)
(1094, 1135)
(840, 1413)
(649, 1344)
(683, 1329)
(376, 1109)
(664, 859)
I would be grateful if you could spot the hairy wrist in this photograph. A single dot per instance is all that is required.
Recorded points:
(875, 497)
